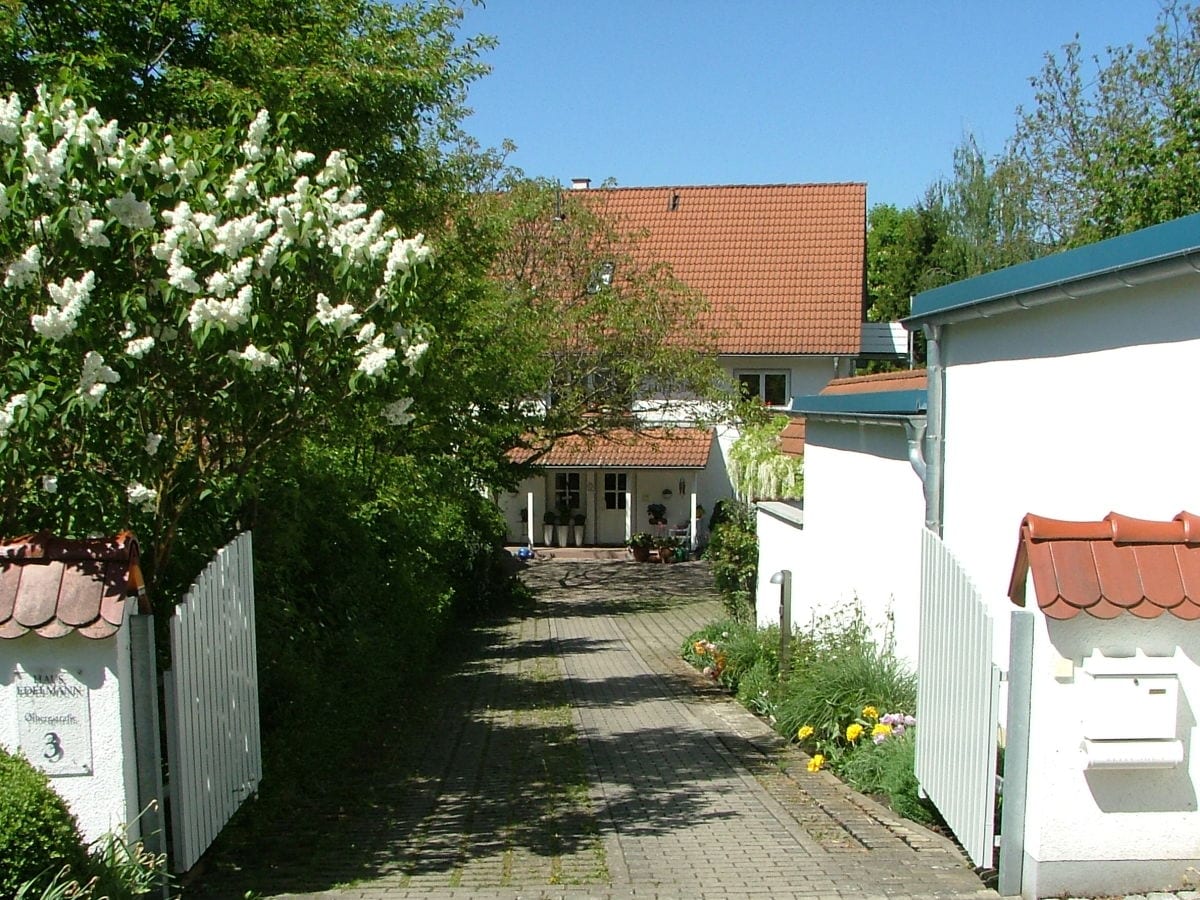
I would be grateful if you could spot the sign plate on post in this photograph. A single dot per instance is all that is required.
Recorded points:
(55, 721)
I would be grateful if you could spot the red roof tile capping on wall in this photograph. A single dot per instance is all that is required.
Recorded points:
(1119, 564)
(903, 380)
(781, 265)
(53, 587)
(656, 448)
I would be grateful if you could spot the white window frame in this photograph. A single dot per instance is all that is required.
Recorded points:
(761, 375)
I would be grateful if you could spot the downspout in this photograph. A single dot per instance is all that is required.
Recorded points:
(935, 424)
(914, 432)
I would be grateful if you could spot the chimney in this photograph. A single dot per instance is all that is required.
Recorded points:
(580, 184)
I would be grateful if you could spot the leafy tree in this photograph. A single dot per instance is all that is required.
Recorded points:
(174, 310)
(385, 83)
(598, 331)
(1112, 143)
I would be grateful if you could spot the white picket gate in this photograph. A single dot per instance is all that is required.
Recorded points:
(213, 751)
(958, 701)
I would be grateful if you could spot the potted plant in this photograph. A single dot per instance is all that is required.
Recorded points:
(548, 520)
(639, 544)
(666, 547)
(657, 514)
(562, 523)
(579, 519)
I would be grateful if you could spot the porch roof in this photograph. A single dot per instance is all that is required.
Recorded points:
(1119, 564)
(53, 586)
(651, 448)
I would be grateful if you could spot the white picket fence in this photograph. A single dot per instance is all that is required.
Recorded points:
(958, 701)
(213, 750)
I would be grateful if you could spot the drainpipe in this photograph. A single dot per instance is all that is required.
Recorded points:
(935, 425)
(914, 432)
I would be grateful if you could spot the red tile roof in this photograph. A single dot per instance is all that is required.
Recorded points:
(791, 439)
(781, 265)
(53, 587)
(652, 448)
(1105, 568)
(905, 380)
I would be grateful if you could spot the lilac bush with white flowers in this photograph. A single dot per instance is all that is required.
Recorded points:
(173, 307)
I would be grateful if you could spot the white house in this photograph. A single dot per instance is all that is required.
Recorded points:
(858, 540)
(782, 268)
(1061, 389)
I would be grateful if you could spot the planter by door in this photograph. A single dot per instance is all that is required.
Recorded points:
(547, 534)
(578, 535)
(560, 532)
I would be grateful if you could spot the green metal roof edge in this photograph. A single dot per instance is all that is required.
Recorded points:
(888, 403)
(1170, 239)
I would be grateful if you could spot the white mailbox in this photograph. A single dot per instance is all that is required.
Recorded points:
(1132, 708)
(1131, 712)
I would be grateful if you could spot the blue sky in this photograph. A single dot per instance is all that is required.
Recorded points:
(672, 92)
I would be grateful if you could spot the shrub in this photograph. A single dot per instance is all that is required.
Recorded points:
(733, 551)
(889, 769)
(38, 834)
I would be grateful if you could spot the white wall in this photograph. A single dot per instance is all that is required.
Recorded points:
(108, 797)
(781, 545)
(1074, 410)
(807, 374)
(863, 513)
(1107, 831)
(1047, 411)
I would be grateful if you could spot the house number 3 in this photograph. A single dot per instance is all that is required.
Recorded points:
(54, 751)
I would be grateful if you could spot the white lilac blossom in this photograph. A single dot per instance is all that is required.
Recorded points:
(70, 298)
(252, 147)
(89, 230)
(9, 413)
(374, 356)
(413, 355)
(180, 275)
(4, 208)
(10, 119)
(130, 211)
(404, 254)
(302, 158)
(340, 317)
(139, 347)
(95, 378)
(228, 314)
(50, 484)
(141, 496)
(335, 169)
(152, 442)
(397, 413)
(24, 269)
(255, 359)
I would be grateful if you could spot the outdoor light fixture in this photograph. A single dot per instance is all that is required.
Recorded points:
(783, 578)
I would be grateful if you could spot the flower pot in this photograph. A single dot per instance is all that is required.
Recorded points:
(640, 554)
(560, 532)
(578, 535)
(547, 534)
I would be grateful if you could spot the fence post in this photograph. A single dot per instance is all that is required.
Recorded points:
(1016, 752)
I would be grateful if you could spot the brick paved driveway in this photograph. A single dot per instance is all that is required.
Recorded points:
(576, 756)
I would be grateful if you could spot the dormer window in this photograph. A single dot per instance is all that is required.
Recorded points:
(602, 277)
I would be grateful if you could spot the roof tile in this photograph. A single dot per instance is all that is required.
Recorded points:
(1119, 564)
(54, 587)
(781, 265)
(651, 448)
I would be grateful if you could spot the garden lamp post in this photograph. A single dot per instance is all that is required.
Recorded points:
(783, 578)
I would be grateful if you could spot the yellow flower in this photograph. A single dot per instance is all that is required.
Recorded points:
(870, 712)
(814, 764)
(881, 729)
(804, 733)
(699, 648)
(854, 732)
